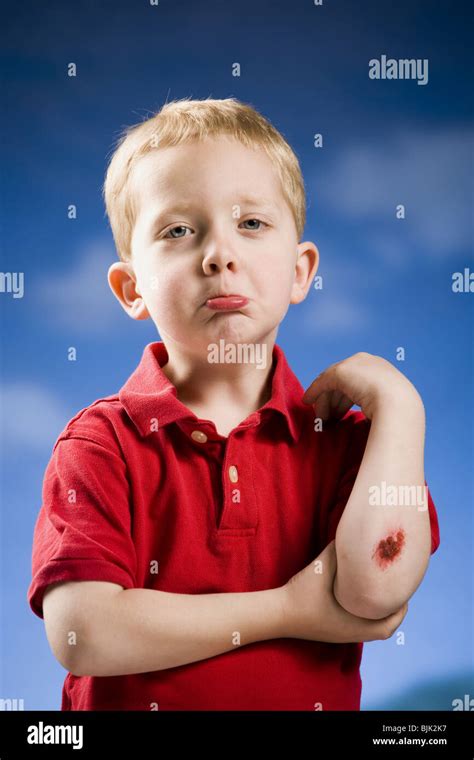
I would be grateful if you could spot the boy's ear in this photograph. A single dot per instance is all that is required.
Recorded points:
(122, 281)
(307, 263)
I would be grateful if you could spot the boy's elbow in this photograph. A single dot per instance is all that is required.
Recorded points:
(67, 626)
(369, 604)
(73, 647)
(65, 641)
(75, 615)
(70, 661)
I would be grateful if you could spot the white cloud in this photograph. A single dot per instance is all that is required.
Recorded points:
(429, 172)
(80, 298)
(31, 417)
(391, 251)
(335, 313)
(341, 304)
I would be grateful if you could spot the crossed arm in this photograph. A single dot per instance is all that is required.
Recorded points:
(383, 544)
(373, 567)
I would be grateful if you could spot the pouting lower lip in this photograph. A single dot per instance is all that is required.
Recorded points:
(223, 303)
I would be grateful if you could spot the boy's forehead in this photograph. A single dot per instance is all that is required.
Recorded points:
(166, 175)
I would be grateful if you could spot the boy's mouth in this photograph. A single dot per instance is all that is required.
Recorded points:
(226, 302)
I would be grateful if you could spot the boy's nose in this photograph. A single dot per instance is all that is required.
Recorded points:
(219, 256)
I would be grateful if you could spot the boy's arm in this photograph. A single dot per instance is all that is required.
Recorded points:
(383, 550)
(99, 628)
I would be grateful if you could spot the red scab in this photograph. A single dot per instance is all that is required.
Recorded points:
(389, 549)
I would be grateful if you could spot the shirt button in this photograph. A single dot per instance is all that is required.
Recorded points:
(198, 435)
(233, 474)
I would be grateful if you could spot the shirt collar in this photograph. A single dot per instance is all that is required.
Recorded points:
(151, 400)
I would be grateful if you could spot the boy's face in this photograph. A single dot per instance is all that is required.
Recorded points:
(196, 236)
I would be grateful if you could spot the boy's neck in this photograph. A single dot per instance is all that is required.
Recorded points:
(224, 393)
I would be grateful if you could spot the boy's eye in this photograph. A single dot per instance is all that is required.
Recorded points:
(259, 221)
(180, 228)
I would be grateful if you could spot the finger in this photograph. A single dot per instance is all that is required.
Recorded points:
(334, 398)
(338, 404)
(321, 406)
(325, 381)
(344, 405)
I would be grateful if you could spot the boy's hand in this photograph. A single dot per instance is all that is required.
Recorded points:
(362, 379)
(313, 613)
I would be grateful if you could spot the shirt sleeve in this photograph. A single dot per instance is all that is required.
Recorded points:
(83, 530)
(358, 433)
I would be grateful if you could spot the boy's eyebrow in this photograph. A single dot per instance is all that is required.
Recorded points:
(254, 201)
(249, 200)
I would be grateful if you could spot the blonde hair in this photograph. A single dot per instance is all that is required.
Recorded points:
(182, 121)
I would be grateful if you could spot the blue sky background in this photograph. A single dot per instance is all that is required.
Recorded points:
(387, 282)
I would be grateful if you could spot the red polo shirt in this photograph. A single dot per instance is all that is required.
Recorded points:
(141, 492)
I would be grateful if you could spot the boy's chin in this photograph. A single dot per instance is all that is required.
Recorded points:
(230, 334)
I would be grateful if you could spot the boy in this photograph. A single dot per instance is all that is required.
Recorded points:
(186, 555)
